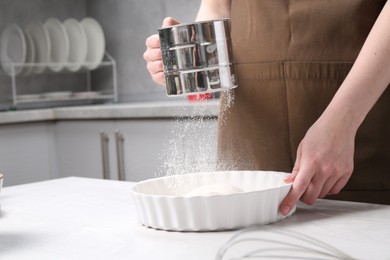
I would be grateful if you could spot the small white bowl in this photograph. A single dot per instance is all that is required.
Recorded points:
(162, 202)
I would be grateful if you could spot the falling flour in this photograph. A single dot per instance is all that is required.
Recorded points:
(192, 142)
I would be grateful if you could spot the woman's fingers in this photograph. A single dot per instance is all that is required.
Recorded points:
(328, 185)
(169, 21)
(153, 58)
(338, 185)
(312, 182)
(298, 188)
(153, 55)
(156, 72)
(153, 42)
(153, 51)
(159, 78)
(154, 66)
(291, 177)
(315, 188)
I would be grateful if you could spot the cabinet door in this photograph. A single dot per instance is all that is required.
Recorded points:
(144, 141)
(79, 150)
(26, 153)
(159, 147)
(149, 148)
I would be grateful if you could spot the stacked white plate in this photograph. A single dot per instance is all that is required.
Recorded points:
(42, 46)
(13, 49)
(211, 200)
(72, 45)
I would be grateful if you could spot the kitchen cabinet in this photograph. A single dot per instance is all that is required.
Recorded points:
(142, 139)
(148, 144)
(79, 148)
(135, 148)
(27, 153)
(143, 145)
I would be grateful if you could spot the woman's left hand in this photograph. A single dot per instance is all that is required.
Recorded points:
(324, 162)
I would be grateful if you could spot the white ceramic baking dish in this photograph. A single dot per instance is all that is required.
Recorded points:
(162, 202)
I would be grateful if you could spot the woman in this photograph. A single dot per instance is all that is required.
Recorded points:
(312, 95)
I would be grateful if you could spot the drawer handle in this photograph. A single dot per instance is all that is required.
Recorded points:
(104, 140)
(120, 155)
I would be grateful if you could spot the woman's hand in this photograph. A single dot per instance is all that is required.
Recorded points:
(324, 162)
(153, 56)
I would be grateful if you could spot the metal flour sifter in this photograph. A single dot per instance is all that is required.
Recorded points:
(198, 57)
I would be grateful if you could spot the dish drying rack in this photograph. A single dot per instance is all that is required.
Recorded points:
(67, 96)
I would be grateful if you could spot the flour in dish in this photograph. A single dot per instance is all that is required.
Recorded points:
(214, 189)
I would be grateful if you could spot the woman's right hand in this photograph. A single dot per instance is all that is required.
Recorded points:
(153, 56)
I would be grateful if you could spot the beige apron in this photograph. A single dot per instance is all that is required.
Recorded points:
(291, 57)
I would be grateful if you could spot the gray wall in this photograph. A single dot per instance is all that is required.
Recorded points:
(127, 24)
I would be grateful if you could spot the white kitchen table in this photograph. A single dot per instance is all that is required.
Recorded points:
(79, 218)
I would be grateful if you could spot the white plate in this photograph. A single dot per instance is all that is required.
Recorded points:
(30, 57)
(13, 49)
(42, 45)
(77, 44)
(96, 43)
(59, 44)
(162, 203)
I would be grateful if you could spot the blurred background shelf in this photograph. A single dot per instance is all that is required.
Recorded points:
(62, 96)
(86, 92)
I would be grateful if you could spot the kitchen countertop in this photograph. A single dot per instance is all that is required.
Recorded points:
(80, 218)
(114, 111)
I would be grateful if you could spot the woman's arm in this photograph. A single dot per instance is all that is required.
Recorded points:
(369, 76)
(214, 9)
(325, 156)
